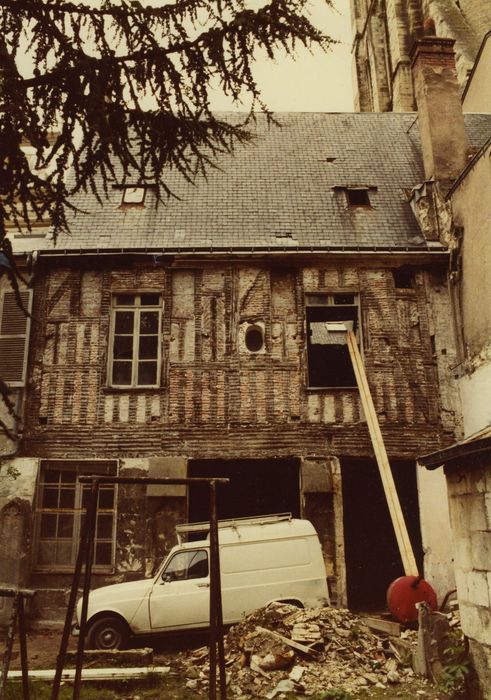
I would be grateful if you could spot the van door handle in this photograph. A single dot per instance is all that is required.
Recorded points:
(203, 585)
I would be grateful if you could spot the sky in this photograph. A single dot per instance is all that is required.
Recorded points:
(310, 82)
(318, 82)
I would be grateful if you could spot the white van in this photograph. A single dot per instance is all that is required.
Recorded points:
(263, 559)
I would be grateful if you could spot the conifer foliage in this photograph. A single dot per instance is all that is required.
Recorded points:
(126, 84)
(117, 85)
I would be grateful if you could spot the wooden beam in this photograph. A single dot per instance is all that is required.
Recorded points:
(381, 625)
(94, 674)
(288, 641)
(397, 517)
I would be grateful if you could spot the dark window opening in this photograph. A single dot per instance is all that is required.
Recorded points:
(357, 197)
(329, 361)
(254, 339)
(257, 487)
(403, 277)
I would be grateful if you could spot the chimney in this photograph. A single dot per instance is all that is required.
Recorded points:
(441, 122)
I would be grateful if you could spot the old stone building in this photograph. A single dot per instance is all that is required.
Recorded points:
(467, 463)
(384, 32)
(189, 339)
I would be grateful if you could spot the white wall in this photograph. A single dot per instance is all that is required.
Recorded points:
(435, 530)
(475, 392)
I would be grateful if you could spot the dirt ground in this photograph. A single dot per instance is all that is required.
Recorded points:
(43, 647)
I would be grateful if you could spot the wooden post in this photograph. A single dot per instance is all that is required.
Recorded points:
(397, 517)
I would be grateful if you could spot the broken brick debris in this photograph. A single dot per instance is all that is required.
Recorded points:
(281, 649)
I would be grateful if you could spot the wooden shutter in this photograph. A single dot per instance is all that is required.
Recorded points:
(14, 337)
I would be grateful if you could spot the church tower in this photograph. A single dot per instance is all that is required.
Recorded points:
(384, 32)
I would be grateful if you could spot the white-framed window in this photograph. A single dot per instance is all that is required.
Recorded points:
(328, 317)
(61, 501)
(14, 336)
(135, 340)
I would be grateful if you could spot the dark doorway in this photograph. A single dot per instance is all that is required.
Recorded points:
(257, 487)
(372, 556)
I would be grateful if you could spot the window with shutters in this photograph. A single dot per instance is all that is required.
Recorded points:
(60, 512)
(14, 337)
(135, 347)
(329, 316)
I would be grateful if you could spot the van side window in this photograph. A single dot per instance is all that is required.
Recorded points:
(187, 565)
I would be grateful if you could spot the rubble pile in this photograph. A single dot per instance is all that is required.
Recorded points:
(282, 649)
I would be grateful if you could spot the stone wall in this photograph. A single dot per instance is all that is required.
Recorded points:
(384, 33)
(469, 491)
(17, 490)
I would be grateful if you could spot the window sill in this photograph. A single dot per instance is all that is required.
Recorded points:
(132, 389)
(331, 388)
(63, 571)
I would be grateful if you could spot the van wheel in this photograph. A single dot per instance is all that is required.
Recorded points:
(108, 632)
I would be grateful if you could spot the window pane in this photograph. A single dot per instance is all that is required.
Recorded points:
(317, 299)
(344, 298)
(177, 567)
(51, 476)
(48, 525)
(198, 567)
(149, 322)
(67, 498)
(148, 347)
(85, 496)
(125, 299)
(122, 373)
(104, 526)
(63, 553)
(103, 553)
(50, 497)
(124, 322)
(65, 525)
(123, 347)
(106, 498)
(68, 477)
(150, 299)
(46, 552)
(147, 373)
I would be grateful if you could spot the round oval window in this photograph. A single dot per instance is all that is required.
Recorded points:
(254, 339)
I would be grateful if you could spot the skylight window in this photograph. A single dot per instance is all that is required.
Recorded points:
(358, 197)
(133, 195)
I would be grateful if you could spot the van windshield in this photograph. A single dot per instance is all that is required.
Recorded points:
(187, 565)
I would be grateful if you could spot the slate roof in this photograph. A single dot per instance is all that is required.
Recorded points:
(283, 191)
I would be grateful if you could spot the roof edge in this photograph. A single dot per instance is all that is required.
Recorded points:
(486, 37)
(439, 252)
(477, 156)
(459, 450)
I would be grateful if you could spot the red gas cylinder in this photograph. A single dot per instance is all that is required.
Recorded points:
(405, 592)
